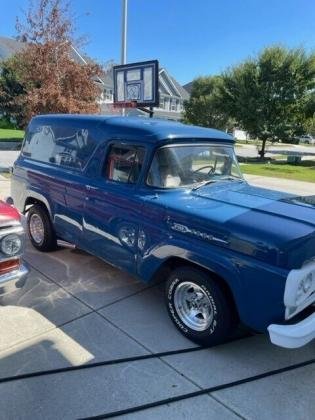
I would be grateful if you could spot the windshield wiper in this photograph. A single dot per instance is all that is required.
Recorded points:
(203, 183)
(222, 178)
(231, 178)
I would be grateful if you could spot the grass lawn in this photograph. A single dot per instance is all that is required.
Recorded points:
(11, 135)
(305, 171)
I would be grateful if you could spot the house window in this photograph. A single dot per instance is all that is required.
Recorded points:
(108, 94)
(161, 102)
(173, 104)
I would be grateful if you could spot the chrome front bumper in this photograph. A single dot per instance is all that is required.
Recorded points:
(294, 335)
(13, 280)
(299, 294)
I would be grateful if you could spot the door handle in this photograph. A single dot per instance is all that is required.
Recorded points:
(90, 188)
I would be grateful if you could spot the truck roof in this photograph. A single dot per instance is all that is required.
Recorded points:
(151, 129)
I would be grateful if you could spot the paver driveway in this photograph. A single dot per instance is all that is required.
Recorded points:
(77, 310)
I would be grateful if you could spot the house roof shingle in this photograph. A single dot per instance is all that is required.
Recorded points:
(181, 89)
(188, 87)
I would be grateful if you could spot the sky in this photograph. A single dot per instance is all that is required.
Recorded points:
(190, 38)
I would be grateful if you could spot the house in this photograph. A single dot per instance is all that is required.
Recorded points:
(172, 97)
(240, 134)
(172, 94)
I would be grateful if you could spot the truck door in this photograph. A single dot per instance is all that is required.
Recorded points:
(112, 208)
(74, 144)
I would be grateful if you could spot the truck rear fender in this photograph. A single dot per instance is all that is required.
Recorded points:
(34, 197)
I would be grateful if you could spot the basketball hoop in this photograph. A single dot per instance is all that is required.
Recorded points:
(136, 85)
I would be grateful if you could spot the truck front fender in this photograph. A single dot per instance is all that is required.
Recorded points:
(257, 288)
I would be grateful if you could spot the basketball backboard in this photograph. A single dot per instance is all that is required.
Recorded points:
(137, 83)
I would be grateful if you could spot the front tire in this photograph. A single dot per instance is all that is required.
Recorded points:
(40, 229)
(199, 307)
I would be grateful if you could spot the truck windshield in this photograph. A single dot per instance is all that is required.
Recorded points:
(192, 165)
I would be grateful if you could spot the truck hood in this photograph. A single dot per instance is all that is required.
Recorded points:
(272, 226)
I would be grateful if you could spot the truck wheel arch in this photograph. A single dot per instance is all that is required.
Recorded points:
(175, 262)
(35, 198)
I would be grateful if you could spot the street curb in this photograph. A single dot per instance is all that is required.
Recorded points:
(10, 145)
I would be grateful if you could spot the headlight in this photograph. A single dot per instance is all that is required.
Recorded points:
(11, 244)
(306, 283)
(299, 289)
(303, 288)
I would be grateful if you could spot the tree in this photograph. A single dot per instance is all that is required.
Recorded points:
(47, 78)
(10, 91)
(203, 108)
(310, 105)
(309, 124)
(267, 95)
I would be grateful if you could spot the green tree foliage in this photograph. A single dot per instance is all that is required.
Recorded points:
(309, 125)
(267, 96)
(310, 105)
(10, 91)
(203, 107)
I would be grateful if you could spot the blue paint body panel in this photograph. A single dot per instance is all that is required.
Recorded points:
(260, 235)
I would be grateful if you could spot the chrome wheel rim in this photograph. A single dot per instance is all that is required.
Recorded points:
(37, 230)
(193, 306)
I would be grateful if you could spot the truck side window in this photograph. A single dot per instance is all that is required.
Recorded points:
(61, 145)
(124, 163)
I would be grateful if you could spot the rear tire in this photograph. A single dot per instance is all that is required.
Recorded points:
(40, 229)
(199, 306)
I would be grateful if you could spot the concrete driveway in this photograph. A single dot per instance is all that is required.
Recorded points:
(76, 310)
(7, 158)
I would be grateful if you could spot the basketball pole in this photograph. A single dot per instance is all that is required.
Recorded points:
(124, 32)
(123, 58)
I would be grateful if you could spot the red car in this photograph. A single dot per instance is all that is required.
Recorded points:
(13, 272)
